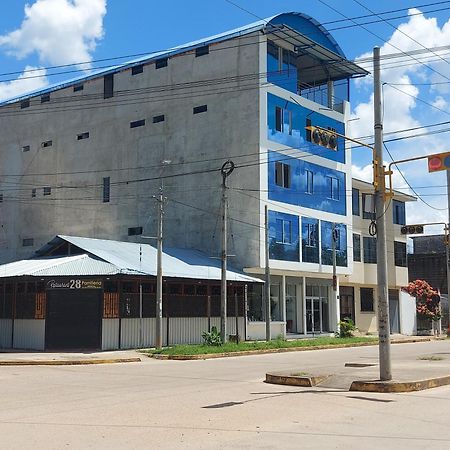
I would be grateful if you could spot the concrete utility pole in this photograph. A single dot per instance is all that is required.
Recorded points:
(267, 281)
(447, 247)
(333, 248)
(159, 277)
(226, 170)
(380, 190)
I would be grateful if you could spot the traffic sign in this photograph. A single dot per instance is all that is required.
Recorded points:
(439, 161)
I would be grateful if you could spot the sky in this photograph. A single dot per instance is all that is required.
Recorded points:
(35, 35)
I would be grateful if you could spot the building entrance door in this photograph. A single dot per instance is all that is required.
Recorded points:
(317, 315)
(347, 303)
(291, 308)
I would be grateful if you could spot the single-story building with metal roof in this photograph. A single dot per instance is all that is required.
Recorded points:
(79, 292)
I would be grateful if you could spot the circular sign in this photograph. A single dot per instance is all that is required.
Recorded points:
(434, 163)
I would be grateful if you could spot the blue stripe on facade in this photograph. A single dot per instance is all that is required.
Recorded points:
(295, 136)
(297, 194)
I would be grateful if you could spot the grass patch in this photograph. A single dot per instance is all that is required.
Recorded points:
(231, 347)
(430, 358)
(299, 374)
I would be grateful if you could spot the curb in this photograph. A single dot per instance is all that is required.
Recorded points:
(279, 350)
(295, 380)
(76, 362)
(395, 387)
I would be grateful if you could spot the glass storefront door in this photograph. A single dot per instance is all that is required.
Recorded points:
(317, 314)
(291, 308)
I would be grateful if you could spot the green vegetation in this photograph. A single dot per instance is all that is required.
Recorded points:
(430, 358)
(212, 338)
(346, 328)
(231, 347)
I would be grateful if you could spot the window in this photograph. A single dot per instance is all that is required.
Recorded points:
(309, 182)
(106, 189)
(137, 123)
(33, 193)
(200, 51)
(27, 242)
(137, 69)
(308, 132)
(398, 211)
(284, 231)
(366, 299)
(356, 247)
(83, 136)
(400, 254)
(46, 144)
(78, 87)
(200, 109)
(368, 206)
(310, 240)
(45, 98)
(26, 148)
(333, 188)
(370, 250)
(158, 119)
(160, 63)
(47, 190)
(1, 198)
(283, 120)
(134, 231)
(355, 202)
(283, 175)
(25, 103)
(108, 86)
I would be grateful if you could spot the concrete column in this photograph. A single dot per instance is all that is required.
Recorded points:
(283, 302)
(304, 304)
(335, 307)
(330, 89)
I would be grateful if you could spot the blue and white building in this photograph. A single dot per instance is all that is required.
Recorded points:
(96, 149)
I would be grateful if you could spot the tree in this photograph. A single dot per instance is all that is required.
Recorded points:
(428, 301)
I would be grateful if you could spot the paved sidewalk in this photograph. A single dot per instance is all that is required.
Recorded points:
(16, 357)
(411, 371)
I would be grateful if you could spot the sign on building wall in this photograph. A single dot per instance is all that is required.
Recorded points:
(75, 283)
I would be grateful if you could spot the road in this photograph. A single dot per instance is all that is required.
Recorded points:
(216, 404)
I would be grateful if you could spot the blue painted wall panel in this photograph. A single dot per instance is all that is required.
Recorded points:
(297, 138)
(297, 193)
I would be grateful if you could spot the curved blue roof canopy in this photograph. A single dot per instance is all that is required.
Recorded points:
(308, 27)
(305, 27)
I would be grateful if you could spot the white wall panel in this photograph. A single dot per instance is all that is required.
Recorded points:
(5, 333)
(29, 334)
(130, 332)
(110, 334)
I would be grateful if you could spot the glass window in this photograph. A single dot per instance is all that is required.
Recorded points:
(356, 247)
(400, 254)
(309, 182)
(398, 211)
(137, 69)
(283, 236)
(160, 63)
(310, 240)
(370, 250)
(278, 118)
(368, 206)
(340, 238)
(355, 202)
(106, 189)
(333, 188)
(366, 299)
(108, 85)
(201, 51)
(282, 175)
(283, 231)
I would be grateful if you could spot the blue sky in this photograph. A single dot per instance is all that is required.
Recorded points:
(70, 31)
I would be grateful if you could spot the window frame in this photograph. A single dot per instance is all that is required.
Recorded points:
(200, 109)
(356, 211)
(283, 177)
(309, 182)
(358, 236)
(369, 304)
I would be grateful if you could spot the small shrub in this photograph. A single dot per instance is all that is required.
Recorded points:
(346, 328)
(212, 337)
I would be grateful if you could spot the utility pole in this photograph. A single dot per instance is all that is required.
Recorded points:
(447, 243)
(380, 190)
(226, 170)
(159, 277)
(333, 249)
(267, 281)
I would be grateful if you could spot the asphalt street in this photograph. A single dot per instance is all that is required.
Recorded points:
(219, 403)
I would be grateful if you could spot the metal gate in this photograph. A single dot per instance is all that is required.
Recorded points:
(73, 319)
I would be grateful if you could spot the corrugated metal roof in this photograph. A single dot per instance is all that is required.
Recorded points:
(300, 23)
(107, 257)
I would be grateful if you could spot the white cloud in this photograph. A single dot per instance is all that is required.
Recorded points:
(440, 102)
(60, 31)
(33, 78)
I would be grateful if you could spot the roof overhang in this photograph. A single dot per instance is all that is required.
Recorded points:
(318, 63)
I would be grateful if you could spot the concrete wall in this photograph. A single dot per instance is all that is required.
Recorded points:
(408, 316)
(229, 129)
